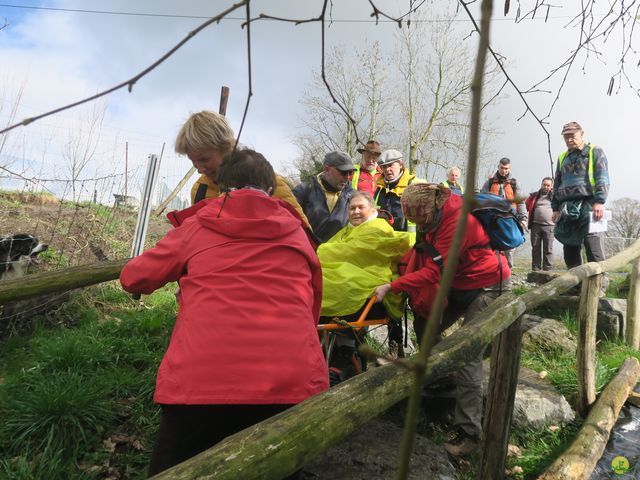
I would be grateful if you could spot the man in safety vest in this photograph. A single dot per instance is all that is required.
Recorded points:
(582, 177)
(453, 174)
(394, 180)
(365, 178)
(501, 183)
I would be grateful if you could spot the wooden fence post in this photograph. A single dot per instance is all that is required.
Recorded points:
(587, 319)
(503, 379)
(632, 334)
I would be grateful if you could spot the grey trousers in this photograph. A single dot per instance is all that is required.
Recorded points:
(468, 379)
(594, 247)
(541, 247)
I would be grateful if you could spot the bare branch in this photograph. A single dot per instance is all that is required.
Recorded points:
(132, 81)
(520, 93)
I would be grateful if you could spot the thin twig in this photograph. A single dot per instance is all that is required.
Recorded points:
(132, 81)
(520, 93)
(451, 263)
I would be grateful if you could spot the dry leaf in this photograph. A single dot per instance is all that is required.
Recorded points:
(543, 374)
(517, 470)
(120, 438)
(513, 451)
(554, 428)
(109, 445)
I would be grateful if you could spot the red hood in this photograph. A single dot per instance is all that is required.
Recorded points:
(247, 214)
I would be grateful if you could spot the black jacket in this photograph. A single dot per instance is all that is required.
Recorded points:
(313, 201)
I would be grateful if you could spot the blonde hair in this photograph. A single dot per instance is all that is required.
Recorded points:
(205, 131)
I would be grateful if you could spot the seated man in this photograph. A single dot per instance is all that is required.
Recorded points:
(354, 261)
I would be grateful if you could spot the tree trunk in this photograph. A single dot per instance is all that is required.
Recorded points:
(59, 281)
(579, 460)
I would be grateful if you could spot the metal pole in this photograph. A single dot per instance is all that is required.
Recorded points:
(145, 206)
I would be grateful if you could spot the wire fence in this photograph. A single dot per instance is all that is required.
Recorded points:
(83, 220)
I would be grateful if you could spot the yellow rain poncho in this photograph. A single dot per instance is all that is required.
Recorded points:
(358, 259)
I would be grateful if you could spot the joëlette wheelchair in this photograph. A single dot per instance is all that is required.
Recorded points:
(345, 362)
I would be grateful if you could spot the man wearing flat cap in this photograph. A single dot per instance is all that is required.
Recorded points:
(365, 179)
(581, 186)
(325, 199)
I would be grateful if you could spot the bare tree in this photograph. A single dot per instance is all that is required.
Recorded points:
(624, 227)
(82, 141)
(423, 108)
(358, 83)
(436, 68)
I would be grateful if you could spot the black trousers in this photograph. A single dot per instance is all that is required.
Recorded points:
(186, 430)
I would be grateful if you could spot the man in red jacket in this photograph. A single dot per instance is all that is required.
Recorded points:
(245, 345)
(478, 281)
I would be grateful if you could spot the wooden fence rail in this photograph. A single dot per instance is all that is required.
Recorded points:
(282, 444)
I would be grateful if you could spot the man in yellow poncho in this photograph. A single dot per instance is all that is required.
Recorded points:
(355, 260)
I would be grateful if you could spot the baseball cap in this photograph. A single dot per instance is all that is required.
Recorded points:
(339, 160)
(571, 127)
(372, 146)
(389, 156)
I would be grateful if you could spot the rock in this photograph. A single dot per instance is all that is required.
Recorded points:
(548, 335)
(541, 277)
(608, 326)
(537, 403)
(371, 453)
(612, 314)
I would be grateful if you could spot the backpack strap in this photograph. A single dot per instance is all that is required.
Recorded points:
(201, 193)
(432, 252)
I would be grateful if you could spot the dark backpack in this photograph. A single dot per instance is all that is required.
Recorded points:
(499, 221)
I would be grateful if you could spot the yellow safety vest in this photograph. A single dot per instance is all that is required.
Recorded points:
(592, 178)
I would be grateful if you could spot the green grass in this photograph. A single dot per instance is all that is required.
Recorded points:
(88, 373)
(542, 446)
(66, 389)
(539, 447)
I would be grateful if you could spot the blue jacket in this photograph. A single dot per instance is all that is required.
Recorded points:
(313, 201)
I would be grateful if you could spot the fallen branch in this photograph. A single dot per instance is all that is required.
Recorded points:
(579, 460)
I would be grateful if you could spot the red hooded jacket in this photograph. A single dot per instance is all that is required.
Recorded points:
(249, 301)
(478, 265)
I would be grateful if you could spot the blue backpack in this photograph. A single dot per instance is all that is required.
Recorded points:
(499, 220)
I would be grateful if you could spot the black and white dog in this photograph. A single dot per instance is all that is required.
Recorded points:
(17, 252)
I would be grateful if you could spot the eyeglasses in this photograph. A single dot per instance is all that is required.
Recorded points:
(348, 173)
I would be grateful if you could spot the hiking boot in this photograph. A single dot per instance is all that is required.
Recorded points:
(462, 444)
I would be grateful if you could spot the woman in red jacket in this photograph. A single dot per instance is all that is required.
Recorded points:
(479, 278)
(245, 345)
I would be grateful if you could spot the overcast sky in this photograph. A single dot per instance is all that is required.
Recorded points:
(62, 56)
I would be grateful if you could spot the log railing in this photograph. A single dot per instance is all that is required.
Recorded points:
(284, 443)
